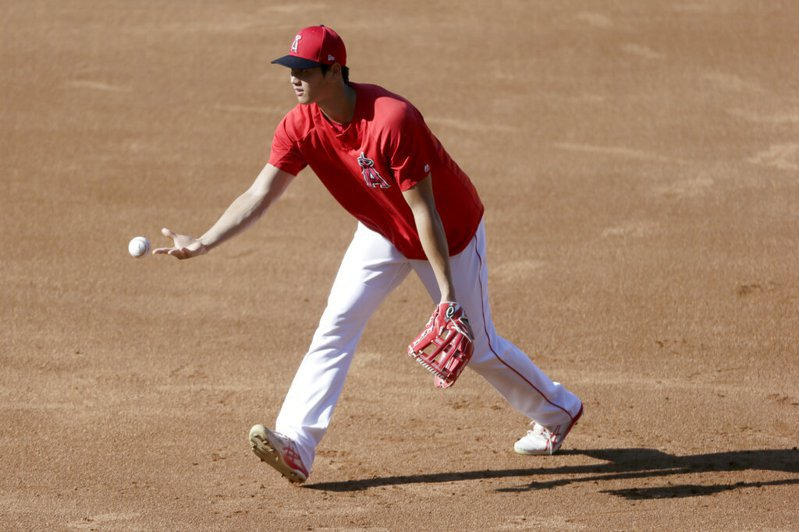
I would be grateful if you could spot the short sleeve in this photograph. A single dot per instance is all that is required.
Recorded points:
(285, 153)
(409, 147)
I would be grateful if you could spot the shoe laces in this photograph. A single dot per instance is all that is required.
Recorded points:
(540, 430)
(291, 456)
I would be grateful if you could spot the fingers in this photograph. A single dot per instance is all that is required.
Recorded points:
(174, 251)
(163, 251)
(180, 253)
(183, 247)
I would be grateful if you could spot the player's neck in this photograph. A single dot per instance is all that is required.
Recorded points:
(340, 107)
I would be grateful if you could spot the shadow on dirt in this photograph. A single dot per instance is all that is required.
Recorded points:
(618, 464)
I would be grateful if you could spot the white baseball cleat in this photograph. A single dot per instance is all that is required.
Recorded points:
(541, 440)
(279, 452)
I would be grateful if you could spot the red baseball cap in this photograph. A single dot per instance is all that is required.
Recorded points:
(314, 46)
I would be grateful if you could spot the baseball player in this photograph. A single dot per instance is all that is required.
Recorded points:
(416, 211)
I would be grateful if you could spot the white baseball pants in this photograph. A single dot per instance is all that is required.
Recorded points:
(372, 267)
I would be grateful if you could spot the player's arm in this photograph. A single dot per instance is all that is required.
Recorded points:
(431, 234)
(247, 208)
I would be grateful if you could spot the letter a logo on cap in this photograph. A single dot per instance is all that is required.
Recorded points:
(314, 46)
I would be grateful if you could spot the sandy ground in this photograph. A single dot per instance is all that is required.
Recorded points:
(639, 162)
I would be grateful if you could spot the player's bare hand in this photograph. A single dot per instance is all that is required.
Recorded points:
(184, 246)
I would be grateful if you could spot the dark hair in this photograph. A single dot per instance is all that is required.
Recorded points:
(345, 72)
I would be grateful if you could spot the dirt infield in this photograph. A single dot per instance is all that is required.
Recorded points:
(639, 164)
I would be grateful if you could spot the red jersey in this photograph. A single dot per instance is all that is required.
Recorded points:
(366, 165)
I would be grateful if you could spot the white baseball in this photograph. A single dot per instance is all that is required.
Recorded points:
(139, 246)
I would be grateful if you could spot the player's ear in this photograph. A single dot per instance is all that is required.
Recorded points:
(335, 71)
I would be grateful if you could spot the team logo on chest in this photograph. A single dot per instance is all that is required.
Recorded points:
(370, 174)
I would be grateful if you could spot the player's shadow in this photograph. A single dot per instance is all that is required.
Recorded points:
(617, 464)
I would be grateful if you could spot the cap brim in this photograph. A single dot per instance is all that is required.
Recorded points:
(292, 61)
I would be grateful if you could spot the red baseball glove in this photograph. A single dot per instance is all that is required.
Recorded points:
(445, 345)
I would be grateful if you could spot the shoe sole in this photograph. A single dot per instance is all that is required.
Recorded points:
(556, 449)
(265, 450)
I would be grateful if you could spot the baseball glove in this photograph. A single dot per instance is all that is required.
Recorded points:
(445, 345)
